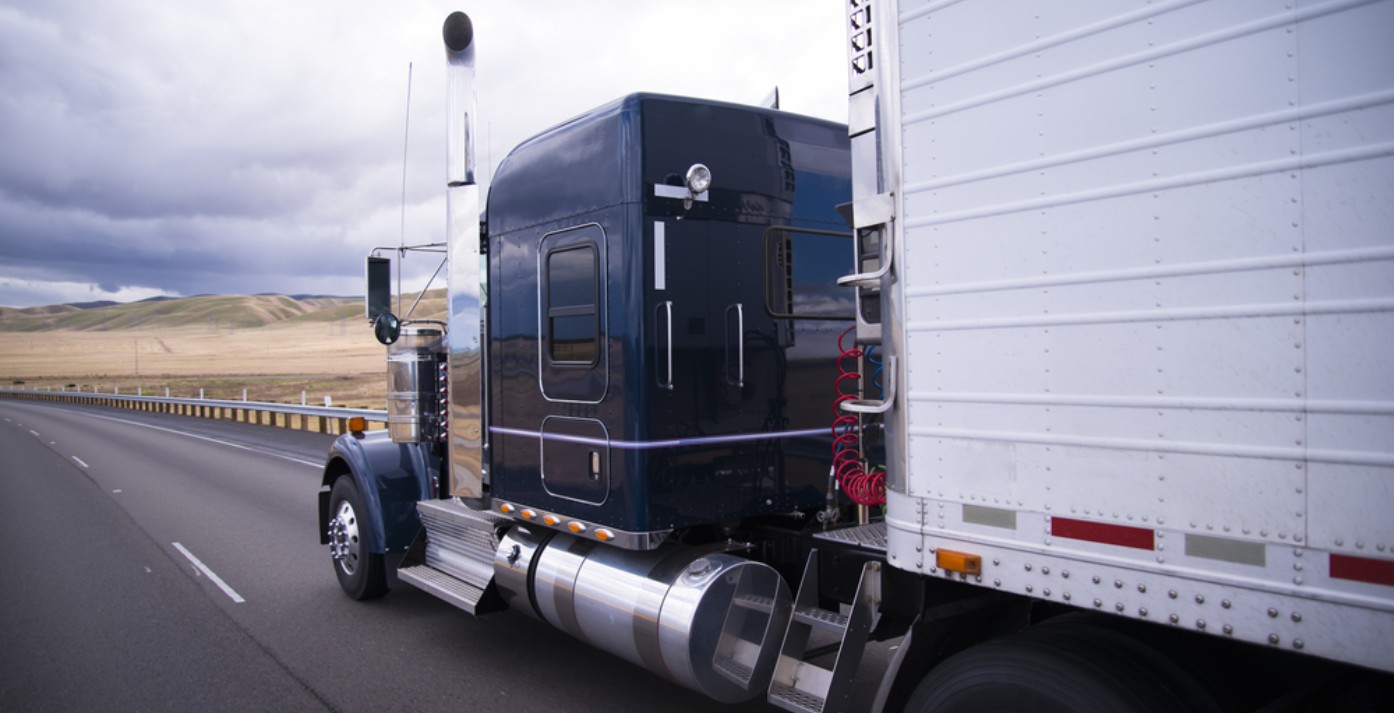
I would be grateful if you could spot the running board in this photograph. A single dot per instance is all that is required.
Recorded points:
(453, 556)
(804, 687)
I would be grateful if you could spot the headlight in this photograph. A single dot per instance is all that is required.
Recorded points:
(699, 178)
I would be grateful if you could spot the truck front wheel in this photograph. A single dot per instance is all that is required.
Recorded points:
(361, 573)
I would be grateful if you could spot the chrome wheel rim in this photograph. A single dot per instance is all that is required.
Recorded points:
(343, 538)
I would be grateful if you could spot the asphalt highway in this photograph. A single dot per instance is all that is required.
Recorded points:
(161, 563)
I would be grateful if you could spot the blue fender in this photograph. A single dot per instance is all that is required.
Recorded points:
(391, 477)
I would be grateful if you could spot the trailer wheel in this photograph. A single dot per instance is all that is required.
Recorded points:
(1056, 669)
(361, 573)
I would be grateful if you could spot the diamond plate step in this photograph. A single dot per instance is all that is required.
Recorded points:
(461, 594)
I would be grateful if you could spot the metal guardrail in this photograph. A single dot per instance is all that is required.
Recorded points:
(324, 419)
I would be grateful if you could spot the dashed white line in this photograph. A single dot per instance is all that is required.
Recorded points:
(236, 598)
(36, 433)
(79, 462)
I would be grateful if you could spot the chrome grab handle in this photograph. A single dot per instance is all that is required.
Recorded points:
(866, 213)
(873, 278)
(667, 307)
(870, 405)
(740, 344)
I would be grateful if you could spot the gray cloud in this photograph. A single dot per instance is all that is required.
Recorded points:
(230, 147)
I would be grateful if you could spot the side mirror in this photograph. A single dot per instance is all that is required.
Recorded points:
(386, 327)
(379, 294)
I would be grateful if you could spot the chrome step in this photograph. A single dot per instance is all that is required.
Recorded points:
(792, 699)
(803, 687)
(871, 536)
(822, 618)
(454, 557)
(461, 594)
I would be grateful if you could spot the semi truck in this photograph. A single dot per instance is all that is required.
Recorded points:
(1064, 365)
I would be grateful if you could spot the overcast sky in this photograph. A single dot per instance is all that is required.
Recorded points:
(165, 147)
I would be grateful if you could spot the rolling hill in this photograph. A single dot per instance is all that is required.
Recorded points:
(219, 311)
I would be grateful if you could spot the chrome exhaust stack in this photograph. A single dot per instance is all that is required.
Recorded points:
(467, 281)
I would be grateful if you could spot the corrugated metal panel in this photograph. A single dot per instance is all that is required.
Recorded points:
(1147, 280)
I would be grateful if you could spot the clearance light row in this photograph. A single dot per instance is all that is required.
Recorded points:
(575, 527)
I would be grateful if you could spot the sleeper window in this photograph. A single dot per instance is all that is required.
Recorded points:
(573, 326)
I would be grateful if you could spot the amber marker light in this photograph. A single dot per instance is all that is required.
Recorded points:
(550, 520)
(575, 527)
(357, 424)
(604, 535)
(506, 509)
(960, 562)
(528, 514)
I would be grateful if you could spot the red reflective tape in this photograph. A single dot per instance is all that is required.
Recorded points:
(1121, 535)
(1362, 569)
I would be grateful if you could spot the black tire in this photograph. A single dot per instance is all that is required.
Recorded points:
(1052, 669)
(361, 573)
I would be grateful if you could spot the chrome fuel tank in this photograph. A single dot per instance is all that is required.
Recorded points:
(709, 621)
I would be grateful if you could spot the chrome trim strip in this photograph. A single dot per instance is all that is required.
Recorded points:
(667, 443)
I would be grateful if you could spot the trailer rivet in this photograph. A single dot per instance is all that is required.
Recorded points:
(1142, 611)
(1096, 579)
(996, 561)
(1225, 603)
(1117, 584)
(1118, 607)
(1273, 639)
(1142, 588)
(1228, 629)
(1200, 599)
(1045, 570)
(1200, 624)
(1066, 596)
(1297, 644)
(1028, 567)
(1296, 617)
(996, 582)
(1065, 574)
(1098, 603)
(1174, 618)
(1172, 594)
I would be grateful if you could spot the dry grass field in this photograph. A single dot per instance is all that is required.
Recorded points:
(275, 354)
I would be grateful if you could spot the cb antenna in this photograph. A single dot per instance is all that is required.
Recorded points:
(402, 244)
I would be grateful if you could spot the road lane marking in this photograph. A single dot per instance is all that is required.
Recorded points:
(79, 462)
(236, 598)
(36, 433)
(312, 464)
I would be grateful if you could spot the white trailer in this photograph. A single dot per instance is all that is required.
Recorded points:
(1139, 307)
